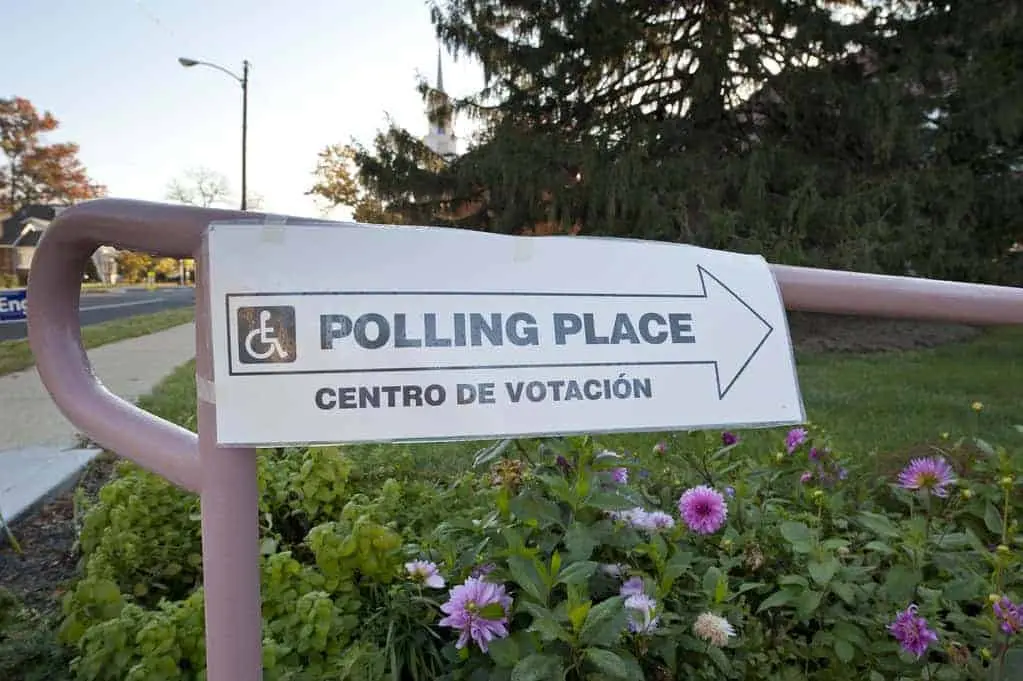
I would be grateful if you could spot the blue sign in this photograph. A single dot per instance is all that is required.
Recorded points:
(13, 306)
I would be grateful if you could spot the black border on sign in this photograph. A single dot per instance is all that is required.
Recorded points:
(722, 390)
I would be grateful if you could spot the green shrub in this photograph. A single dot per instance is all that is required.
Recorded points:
(28, 649)
(815, 558)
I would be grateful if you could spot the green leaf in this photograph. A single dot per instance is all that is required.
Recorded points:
(798, 535)
(577, 615)
(822, 572)
(678, 564)
(1013, 663)
(538, 667)
(877, 524)
(794, 580)
(844, 650)
(845, 591)
(605, 623)
(549, 628)
(525, 574)
(504, 652)
(710, 581)
(609, 501)
(578, 574)
(880, 547)
(491, 453)
(900, 585)
(807, 603)
(528, 507)
(993, 519)
(965, 589)
(849, 632)
(493, 611)
(984, 446)
(779, 598)
(721, 592)
(579, 542)
(613, 664)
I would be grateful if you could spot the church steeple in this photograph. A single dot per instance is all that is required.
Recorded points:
(440, 73)
(441, 136)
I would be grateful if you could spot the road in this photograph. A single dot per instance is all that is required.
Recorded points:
(104, 307)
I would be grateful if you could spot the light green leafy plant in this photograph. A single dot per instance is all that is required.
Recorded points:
(705, 557)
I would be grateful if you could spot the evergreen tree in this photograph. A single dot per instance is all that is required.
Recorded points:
(863, 135)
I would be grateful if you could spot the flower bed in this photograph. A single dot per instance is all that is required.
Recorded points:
(703, 557)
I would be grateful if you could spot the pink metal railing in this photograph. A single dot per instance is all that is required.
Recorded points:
(225, 478)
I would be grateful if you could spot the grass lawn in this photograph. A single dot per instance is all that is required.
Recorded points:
(16, 355)
(888, 404)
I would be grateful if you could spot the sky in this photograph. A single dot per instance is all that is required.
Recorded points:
(322, 72)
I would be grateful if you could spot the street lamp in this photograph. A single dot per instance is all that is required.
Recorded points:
(244, 81)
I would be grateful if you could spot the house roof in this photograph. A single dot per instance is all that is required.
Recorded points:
(30, 238)
(33, 215)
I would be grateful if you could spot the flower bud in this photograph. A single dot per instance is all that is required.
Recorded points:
(1007, 481)
(779, 457)
(985, 653)
(818, 494)
(1003, 549)
(977, 406)
(966, 494)
(993, 598)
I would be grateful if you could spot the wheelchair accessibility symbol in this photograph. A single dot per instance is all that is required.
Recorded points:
(266, 335)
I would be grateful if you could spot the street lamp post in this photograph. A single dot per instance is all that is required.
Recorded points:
(244, 81)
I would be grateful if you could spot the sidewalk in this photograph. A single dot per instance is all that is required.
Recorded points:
(38, 452)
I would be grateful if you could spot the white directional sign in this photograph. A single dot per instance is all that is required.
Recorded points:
(353, 333)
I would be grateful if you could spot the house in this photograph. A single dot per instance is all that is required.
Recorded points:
(20, 234)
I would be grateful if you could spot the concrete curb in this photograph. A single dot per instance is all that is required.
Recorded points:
(27, 491)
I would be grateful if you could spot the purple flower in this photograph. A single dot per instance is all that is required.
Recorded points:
(815, 454)
(563, 464)
(661, 447)
(620, 475)
(642, 519)
(642, 617)
(654, 520)
(842, 473)
(730, 491)
(425, 572)
(633, 516)
(482, 570)
(479, 610)
(806, 477)
(633, 586)
(728, 438)
(931, 474)
(911, 632)
(1009, 614)
(703, 509)
(796, 437)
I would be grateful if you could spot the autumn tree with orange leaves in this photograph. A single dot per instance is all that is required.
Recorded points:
(32, 171)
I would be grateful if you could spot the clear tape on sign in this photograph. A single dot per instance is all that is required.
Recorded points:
(205, 390)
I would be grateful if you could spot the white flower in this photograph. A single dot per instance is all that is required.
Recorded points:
(713, 628)
(612, 569)
(607, 454)
(426, 572)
